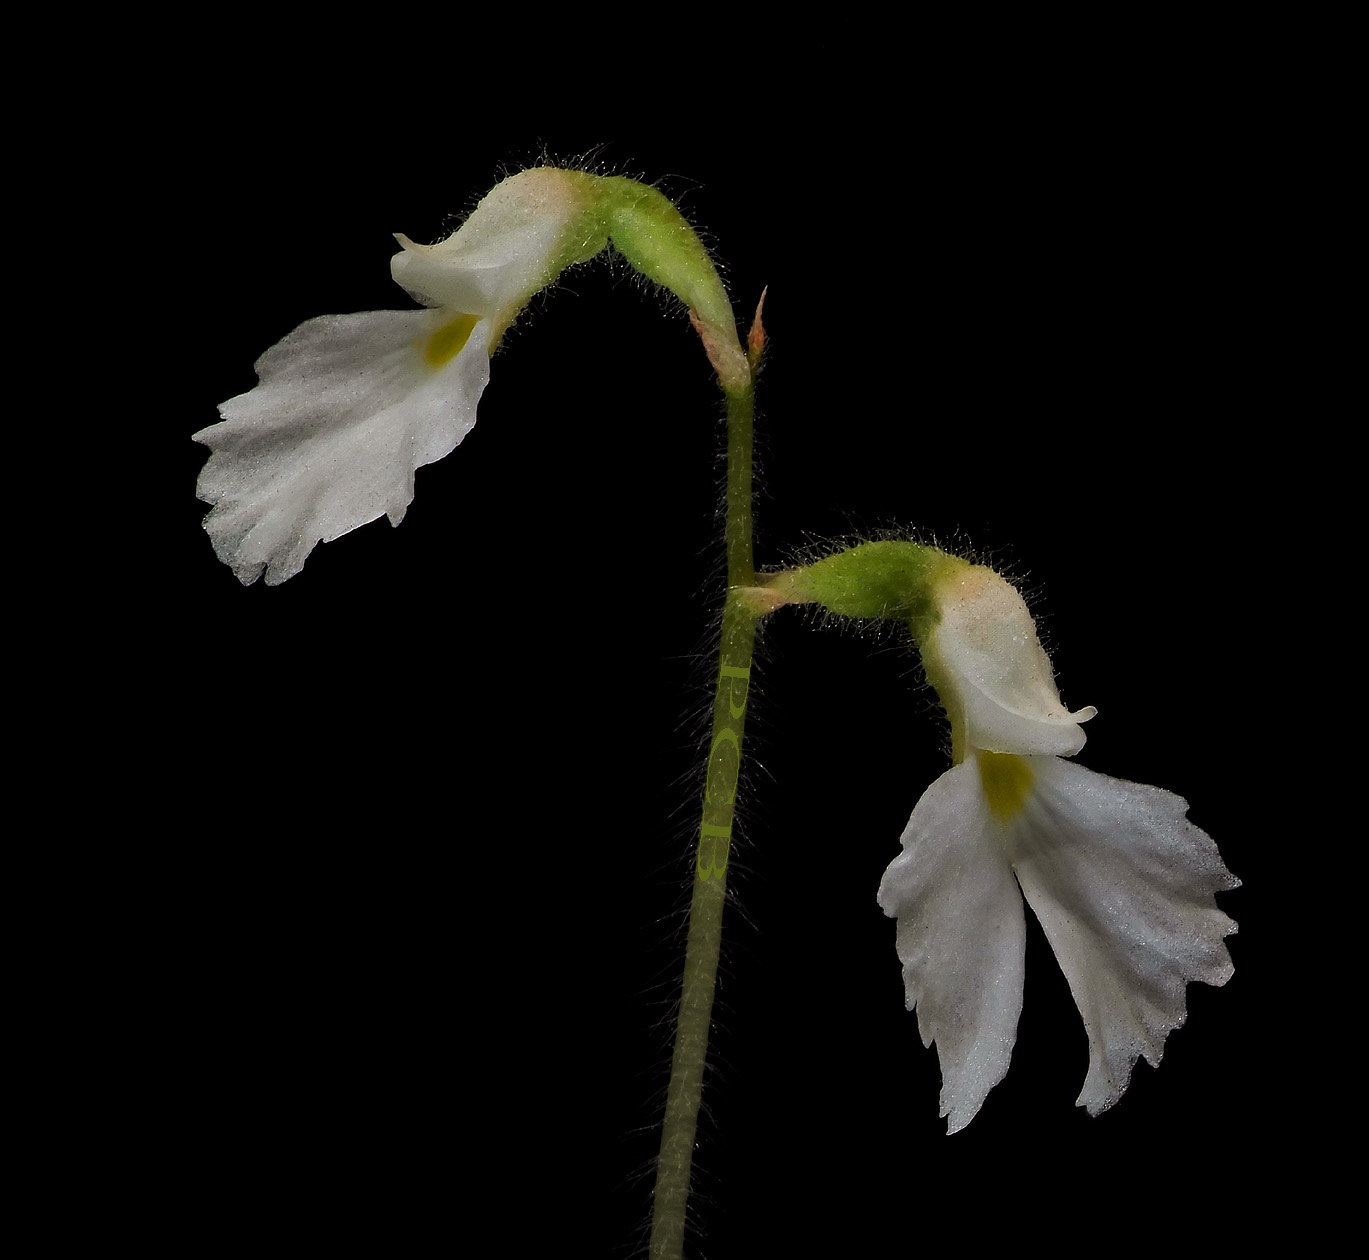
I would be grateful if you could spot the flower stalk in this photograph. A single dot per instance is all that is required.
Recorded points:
(704, 941)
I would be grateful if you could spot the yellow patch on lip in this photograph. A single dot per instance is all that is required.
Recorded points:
(1007, 780)
(448, 341)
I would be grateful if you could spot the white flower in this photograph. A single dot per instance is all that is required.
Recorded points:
(350, 406)
(1121, 882)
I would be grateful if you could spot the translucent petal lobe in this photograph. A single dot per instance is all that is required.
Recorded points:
(1123, 886)
(503, 253)
(961, 938)
(993, 676)
(347, 408)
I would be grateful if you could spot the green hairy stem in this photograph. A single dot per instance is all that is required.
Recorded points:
(654, 238)
(685, 1090)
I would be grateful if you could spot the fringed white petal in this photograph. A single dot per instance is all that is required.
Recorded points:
(991, 672)
(1123, 885)
(348, 407)
(961, 938)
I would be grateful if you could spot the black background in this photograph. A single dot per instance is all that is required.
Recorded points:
(437, 793)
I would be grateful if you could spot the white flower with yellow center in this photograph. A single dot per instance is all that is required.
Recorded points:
(1121, 882)
(350, 406)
